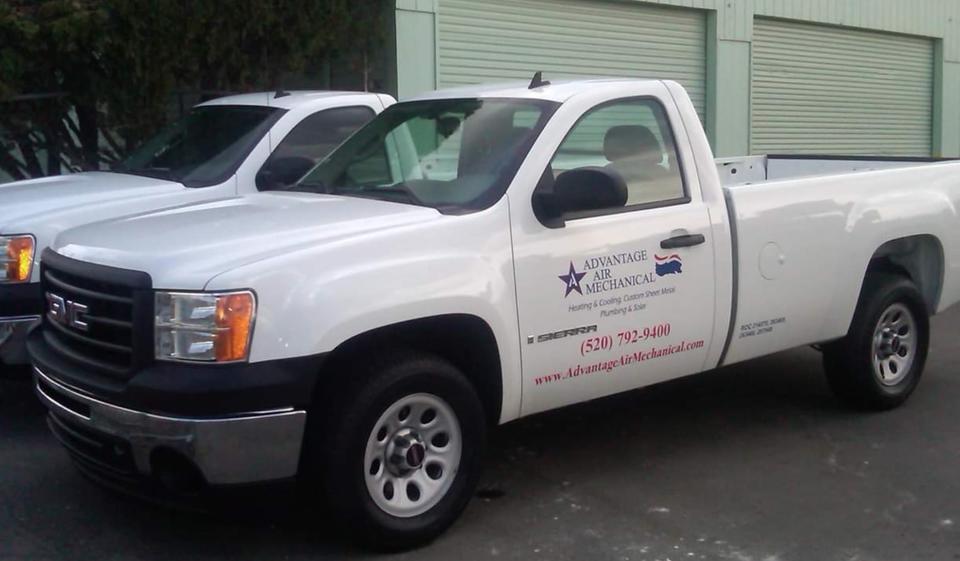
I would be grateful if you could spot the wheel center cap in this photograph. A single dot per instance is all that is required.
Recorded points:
(415, 455)
(406, 452)
(889, 343)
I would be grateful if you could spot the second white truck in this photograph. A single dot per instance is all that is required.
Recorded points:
(224, 147)
(465, 259)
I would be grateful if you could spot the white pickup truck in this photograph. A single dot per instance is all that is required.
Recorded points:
(465, 259)
(224, 147)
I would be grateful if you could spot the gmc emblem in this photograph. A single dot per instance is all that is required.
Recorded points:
(66, 312)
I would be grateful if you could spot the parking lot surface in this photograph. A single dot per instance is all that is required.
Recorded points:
(752, 462)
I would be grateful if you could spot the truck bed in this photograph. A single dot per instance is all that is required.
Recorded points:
(806, 231)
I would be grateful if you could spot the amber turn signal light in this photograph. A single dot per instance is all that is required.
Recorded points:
(234, 318)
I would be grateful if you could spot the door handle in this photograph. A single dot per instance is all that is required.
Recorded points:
(686, 240)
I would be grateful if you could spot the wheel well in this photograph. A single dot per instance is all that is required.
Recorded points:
(918, 258)
(464, 340)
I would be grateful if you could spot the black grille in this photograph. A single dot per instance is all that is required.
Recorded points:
(116, 307)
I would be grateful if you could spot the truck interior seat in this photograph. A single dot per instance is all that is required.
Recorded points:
(636, 153)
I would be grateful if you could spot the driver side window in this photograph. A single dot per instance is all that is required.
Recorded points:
(632, 139)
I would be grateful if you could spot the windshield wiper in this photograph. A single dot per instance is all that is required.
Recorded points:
(387, 193)
(397, 189)
(317, 187)
(156, 173)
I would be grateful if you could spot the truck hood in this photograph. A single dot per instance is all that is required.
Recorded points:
(184, 247)
(55, 200)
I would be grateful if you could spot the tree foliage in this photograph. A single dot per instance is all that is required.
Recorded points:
(110, 67)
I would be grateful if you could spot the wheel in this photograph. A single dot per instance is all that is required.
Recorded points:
(878, 364)
(402, 454)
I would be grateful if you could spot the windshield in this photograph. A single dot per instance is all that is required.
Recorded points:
(204, 148)
(455, 155)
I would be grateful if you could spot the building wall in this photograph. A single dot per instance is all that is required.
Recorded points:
(729, 39)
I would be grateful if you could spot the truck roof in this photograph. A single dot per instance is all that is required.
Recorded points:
(557, 90)
(293, 98)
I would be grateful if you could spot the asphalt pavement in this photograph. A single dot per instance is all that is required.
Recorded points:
(752, 462)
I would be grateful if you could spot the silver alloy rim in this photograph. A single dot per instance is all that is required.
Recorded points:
(412, 455)
(894, 345)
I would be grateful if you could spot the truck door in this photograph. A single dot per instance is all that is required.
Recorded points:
(617, 292)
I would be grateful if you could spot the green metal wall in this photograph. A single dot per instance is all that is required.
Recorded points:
(507, 40)
(821, 89)
(729, 45)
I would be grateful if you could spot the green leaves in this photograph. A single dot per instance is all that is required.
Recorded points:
(118, 63)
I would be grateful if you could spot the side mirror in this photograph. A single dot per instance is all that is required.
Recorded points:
(579, 190)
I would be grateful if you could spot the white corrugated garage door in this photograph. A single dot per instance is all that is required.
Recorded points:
(501, 40)
(830, 90)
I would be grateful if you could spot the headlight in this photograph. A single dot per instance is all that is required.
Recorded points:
(204, 327)
(16, 258)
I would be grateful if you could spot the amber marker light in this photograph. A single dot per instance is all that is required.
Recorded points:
(234, 319)
(16, 258)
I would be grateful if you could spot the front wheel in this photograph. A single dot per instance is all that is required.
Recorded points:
(878, 364)
(413, 455)
(402, 453)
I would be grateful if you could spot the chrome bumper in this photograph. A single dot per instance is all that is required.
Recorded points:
(247, 448)
(13, 337)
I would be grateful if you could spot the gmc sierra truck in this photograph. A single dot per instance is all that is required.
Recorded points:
(467, 258)
(224, 147)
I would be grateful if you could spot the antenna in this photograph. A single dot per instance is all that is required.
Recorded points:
(537, 81)
(280, 93)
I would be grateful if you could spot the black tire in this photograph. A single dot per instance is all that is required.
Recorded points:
(336, 445)
(849, 362)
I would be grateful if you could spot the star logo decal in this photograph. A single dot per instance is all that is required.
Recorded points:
(572, 280)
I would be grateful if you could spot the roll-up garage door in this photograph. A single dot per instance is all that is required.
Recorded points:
(508, 40)
(830, 90)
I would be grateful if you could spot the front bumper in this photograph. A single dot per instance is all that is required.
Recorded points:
(20, 309)
(226, 450)
(13, 338)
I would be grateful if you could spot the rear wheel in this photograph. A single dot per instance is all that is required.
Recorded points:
(878, 364)
(401, 454)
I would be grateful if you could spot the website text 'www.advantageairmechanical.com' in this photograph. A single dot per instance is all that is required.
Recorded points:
(610, 366)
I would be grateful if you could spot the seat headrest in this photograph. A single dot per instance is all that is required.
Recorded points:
(632, 141)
